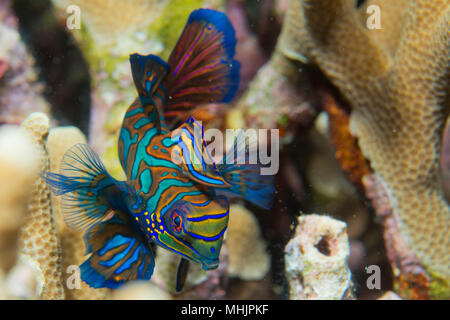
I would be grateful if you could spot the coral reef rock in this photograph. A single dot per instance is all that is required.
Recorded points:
(396, 81)
(38, 240)
(59, 140)
(18, 169)
(248, 258)
(140, 290)
(316, 260)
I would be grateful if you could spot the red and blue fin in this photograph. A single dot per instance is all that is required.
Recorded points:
(244, 176)
(119, 254)
(88, 191)
(202, 65)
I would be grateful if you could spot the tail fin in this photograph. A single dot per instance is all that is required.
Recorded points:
(202, 65)
(245, 178)
(88, 191)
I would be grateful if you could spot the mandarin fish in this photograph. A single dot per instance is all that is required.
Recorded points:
(182, 206)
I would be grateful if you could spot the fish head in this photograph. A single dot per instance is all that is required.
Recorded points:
(195, 229)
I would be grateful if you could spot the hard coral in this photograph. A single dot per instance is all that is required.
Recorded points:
(38, 240)
(111, 21)
(398, 90)
(18, 169)
(316, 259)
(59, 140)
(248, 258)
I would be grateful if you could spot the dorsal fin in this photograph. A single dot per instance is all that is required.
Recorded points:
(148, 72)
(202, 65)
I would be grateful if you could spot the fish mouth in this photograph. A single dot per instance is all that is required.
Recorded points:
(209, 264)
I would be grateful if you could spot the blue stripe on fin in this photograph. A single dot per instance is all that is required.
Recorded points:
(131, 260)
(244, 177)
(88, 191)
(202, 65)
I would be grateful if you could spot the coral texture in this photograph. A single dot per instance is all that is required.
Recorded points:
(109, 22)
(316, 259)
(140, 290)
(248, 258)
(18, 167)
(38, 240)
(59, 140)
(398, 91)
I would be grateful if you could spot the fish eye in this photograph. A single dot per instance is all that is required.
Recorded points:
(177, 220)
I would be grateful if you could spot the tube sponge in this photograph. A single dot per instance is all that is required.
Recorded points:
(316, 259)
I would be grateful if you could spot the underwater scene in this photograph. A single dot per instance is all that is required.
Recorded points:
(224, 150)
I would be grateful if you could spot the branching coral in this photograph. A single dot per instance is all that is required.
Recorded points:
(398, 90)
(38, 240)
(59, 140)
(316, 259)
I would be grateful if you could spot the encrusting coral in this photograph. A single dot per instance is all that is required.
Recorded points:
(316, 260)
(38, 240)
(398, 91)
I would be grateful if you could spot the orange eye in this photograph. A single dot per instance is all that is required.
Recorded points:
(177, 221)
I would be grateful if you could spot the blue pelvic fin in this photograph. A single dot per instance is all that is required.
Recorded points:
(244, 174)
(119, 254)
(88, 191)
(182, 272)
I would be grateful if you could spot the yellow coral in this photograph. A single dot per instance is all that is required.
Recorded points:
(38, 240)
(59, 140)
(247, 254)
(18, 170)
(140, 290)
(112, 20)
(398, 90)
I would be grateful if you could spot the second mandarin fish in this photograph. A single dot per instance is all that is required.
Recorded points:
(182, 207)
